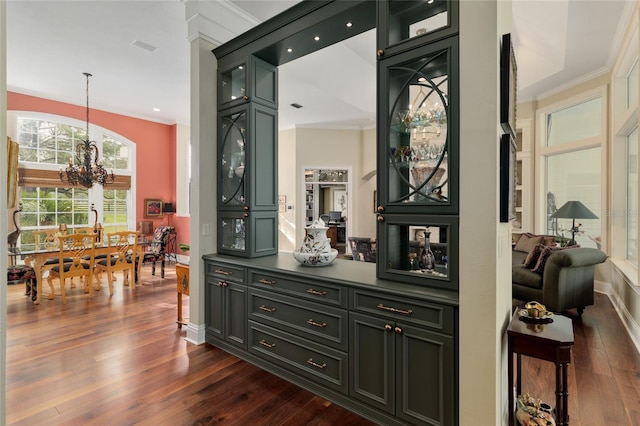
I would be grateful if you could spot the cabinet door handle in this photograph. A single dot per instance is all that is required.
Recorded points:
(263, 281)
(223, 272)
(316, 324)
(387, 327)
(264, 308)
(380, 218)
(267, 344)
(310, 361)
(316, 292)
(394, 310)
(398, 330)
(222, 283)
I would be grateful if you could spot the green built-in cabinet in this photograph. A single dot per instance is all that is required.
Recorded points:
(248, 159)
(379, 339)
(418, 143)
(382, 349)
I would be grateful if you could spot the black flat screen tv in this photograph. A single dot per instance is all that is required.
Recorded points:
(335, 217)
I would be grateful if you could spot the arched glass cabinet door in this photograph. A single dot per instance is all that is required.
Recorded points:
(232, 157)
(418, 142)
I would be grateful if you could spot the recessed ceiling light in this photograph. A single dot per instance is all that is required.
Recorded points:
(156, 109)
(430, 1)
(349, 25)
(289, 50)
(240, 67)
(317, 38)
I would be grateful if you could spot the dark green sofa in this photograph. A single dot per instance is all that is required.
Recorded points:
(566, 281)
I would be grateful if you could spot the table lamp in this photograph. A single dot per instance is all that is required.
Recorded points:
(574, 210)
(168, 208)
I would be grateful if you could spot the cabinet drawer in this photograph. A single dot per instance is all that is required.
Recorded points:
(431, 315)
(320, 323)
(226, 272)
(327, 293)
(320, 364)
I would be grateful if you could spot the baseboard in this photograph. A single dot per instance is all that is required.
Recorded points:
(196, 333)
(629, 323)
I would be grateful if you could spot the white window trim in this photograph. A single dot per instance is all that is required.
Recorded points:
(96, 198)
(543, 151)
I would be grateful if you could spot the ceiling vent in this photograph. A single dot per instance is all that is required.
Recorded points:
(295, 105)
(143, 45)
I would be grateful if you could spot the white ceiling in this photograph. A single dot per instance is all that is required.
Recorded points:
(51, 43)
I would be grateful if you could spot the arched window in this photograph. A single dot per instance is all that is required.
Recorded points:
(47, 143)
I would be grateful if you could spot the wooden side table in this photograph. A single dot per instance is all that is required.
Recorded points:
(182, 281)
(549, 342)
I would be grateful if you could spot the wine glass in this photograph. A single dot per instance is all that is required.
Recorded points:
(412, 261)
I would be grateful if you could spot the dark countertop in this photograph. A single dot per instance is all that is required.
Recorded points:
(355, 274)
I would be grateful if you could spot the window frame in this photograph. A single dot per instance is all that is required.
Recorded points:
(96, 194)
(543, 152)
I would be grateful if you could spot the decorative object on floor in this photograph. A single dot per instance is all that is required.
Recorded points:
(168, 209)
(316, 248)
(12, 238)
(87, 168)
(574, 210)
(533, 412)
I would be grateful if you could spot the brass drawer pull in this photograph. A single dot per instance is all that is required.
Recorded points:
(264, 308)
(223, 272)
(267, 344)
(317, 324)
(310, 361)
(316, 292)
(394, 310)
(222, 284)
(263, 281)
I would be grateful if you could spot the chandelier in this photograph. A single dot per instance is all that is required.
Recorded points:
(87, 169)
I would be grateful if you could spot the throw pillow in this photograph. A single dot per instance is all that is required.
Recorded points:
(526, 243)
(532, 257)
(542, 259)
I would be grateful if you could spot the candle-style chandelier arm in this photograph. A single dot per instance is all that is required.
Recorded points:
(89, 169)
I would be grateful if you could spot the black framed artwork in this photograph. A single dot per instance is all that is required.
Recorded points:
(507, 178)
(508, 86)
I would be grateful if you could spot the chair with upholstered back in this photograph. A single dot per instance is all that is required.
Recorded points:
(121, 256)
(75, 259)
(157, 250)
(363, 248)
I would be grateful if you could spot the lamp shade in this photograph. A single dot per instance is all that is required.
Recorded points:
(168, 208)
(574, 210)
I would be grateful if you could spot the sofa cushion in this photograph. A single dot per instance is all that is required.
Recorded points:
(518, 257)
(525, 277)
(527, 242)
(542, 259)
(532, 257)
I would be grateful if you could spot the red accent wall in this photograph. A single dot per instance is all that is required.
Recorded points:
(155, 151)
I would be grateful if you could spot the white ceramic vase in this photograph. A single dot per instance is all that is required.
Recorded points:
(316, 248)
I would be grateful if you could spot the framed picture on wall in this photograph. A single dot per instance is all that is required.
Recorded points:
(152, 207)
(508, 86)
(507, 178)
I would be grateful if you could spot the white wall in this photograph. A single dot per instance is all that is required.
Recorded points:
(485, 244)
(287, 186)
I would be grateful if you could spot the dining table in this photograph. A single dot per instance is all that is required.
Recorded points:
(38, 258)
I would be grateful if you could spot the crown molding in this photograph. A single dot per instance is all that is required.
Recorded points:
(217, 21)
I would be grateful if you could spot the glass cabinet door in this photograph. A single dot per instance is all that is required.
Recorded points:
(404, 24)
(232, 158)
(233, 85)
(233, 233)
(416, 160)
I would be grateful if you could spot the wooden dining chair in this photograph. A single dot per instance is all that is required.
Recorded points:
(121, 256)
(80, 249)
(47, 240)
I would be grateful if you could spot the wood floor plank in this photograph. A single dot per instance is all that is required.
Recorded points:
(121, 360)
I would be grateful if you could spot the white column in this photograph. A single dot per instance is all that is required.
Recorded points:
(485, 249)
(205, 34)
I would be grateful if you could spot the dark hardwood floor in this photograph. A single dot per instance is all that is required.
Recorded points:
(121, 360)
